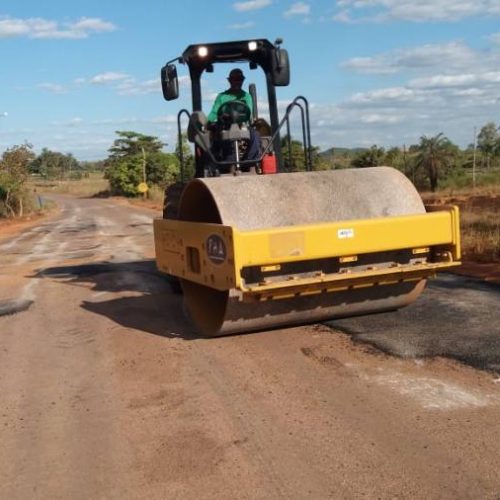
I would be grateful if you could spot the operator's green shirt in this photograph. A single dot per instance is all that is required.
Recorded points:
(228, 96)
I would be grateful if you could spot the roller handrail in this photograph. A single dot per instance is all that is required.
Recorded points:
(306, 129)
(289, 136)
(179, 139)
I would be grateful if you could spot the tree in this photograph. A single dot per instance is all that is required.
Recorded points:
(395, 157)
(187, 157)
(133, 143)
(434, 155)
(488, 141)
(14, 173)
(54, 165)
(162, 168)
(370, 158)
(319, 162)
(293, 155)
(137, 157)
(124, 175)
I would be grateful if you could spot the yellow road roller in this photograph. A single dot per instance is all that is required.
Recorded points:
(254, 246)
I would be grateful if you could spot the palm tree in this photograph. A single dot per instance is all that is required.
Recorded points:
(433, 155)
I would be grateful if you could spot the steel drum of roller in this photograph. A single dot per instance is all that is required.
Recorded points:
(250, 202)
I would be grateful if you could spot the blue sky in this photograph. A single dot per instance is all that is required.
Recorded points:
(375, 71)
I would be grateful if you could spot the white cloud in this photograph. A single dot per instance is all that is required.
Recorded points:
(55, 88)
(88, 24)
(108, 77)
(455, 55)
(298, 9)
(440, 81)
(242, 26)
(251, 5)
(393, 116)
(43, 28)
(377, 65)
(170, 119)
(13, 27)
(410, 10)
(122, 83)
(131, 87)
(342, 17)
(74, 122)
(388, 95)
(116, 121)
(381, 118)
(449, 88)
(495, 38)
(471, 92)
(462, 80)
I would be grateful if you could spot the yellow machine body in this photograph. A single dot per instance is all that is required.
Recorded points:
(215, 255)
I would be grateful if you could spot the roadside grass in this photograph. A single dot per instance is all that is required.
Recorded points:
(36, 208)
(153, 199)
(94, 185)
(462, 180)
(155, 194)
(479, 220)
(32, 204)
(480, 230)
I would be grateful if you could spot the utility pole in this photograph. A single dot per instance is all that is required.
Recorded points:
(474, 161)
(144, 169)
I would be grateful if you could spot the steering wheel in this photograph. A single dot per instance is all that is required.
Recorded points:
(233, 112)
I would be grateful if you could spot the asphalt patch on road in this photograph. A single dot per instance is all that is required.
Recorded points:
(455, 317)
(14, 306)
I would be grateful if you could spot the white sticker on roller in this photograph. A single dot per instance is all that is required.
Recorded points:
(345, 233)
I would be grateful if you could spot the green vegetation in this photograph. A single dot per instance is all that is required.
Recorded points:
(372, 157)
(15, 200)
(294, 157)
(435, 155)
(53, 165)
(135, 158)
(434, 163)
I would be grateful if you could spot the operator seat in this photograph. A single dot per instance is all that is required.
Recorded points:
(198, 132)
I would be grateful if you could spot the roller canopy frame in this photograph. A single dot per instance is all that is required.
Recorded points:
(216, 255)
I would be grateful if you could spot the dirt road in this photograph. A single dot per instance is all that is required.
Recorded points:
(105, 393)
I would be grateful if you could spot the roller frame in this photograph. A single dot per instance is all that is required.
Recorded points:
(432, 237)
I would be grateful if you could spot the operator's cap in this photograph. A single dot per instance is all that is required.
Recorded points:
(236, 74)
